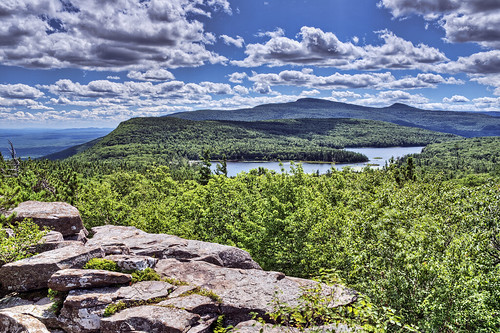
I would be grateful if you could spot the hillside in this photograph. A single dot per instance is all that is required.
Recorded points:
(473, 155)
(466, 124)
(161, 139)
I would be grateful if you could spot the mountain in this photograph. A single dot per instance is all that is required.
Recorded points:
(159, 140)
(466, 124)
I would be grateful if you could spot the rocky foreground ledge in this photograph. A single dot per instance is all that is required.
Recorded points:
(201, 282)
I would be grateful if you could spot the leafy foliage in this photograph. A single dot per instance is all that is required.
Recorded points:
(147, 274)
(104, 264)
(18, 246)
(315, 308)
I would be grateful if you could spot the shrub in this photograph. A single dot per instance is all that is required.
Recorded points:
(17, 247)
(104, 264)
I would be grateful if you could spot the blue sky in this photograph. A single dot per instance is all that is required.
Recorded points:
(89, 63)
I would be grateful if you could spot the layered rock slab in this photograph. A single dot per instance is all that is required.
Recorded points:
(69, 279)
(33, 273)
(245, 291)
(166, 246)
(40, 309)
(83, 309)
(20, 323)
(150, 318)
(59, 216)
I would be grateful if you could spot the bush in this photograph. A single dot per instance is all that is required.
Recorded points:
(104, 264)
(17, 247)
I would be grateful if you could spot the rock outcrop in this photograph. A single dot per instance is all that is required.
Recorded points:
(58, 216)
(34, 273)
(199, 283)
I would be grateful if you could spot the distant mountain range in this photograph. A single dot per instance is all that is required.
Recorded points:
(468, 124)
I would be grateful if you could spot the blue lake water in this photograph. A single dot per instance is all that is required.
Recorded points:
(378, 156)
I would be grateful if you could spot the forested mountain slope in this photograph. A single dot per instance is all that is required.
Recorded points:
(161, 139)
(466, 124)
(473, 155)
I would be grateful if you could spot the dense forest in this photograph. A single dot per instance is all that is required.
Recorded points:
(468, 124)
(414, 239)
(159, 140)
(474, 155)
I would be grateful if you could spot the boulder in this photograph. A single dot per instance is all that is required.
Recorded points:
(83, 308)
(52, 237)
(20, 323)
(69, 279)
(34, 272)
(40, 309)
(51, 241)
(245, 291)
(58, 216)
(166, 246)
(149, 318)
(131, 262)
(193, 303)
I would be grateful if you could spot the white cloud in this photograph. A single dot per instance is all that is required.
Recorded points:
(111, 77)
(110, 35)
(316, 47)
(241, 90)
(456, 99)
(19, 91)
(158, 74)
(237, 77)
(478, 63)
(344, 95)
(351, 81)
(238, 41)
(385, 98)
(463, 20)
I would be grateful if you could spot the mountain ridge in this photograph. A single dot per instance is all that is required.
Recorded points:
(461, 123)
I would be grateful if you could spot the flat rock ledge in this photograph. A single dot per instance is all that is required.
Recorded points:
(69, 279)
(200, 282)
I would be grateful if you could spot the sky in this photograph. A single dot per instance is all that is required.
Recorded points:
(95, 63)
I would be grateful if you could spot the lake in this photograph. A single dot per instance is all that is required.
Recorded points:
(377, 159)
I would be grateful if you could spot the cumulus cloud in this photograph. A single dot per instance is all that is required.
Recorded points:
(19, 91)
(477, 63)
(456, 99)
(109, 35)
(238, 41)
(344, 95)
(158, 74)
(237, 77)
(241, 90)
(397, 53)
(385, 98)
(463, 20)
(262, 88)
(316, 47)
(350, 81)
